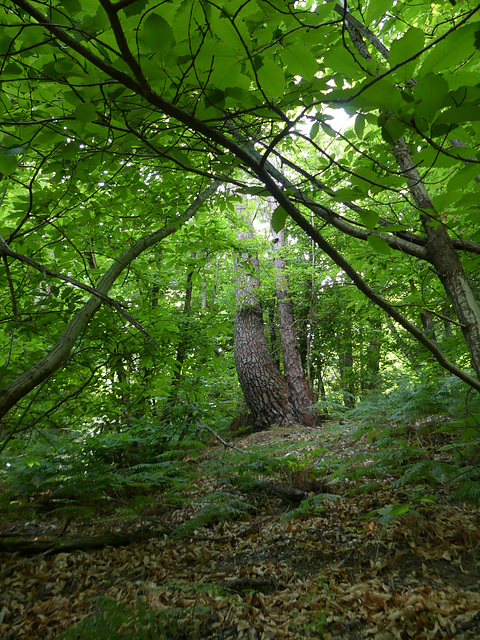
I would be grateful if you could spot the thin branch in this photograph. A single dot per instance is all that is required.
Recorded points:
(227, 445)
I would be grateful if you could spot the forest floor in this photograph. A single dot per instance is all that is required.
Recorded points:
(326, 569)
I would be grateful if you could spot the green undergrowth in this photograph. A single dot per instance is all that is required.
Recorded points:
(129, 469)
(71, 472)
(114, 620)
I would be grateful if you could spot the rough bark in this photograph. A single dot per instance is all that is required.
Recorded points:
(300, 393)
(443, 256)
(265, 389)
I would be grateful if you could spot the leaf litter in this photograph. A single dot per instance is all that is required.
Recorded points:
(340, 567)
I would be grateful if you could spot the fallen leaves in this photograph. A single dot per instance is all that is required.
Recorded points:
(327, 574)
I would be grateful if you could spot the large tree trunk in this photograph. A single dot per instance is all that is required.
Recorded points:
(443, 256)
(300, 393)
(265, 389)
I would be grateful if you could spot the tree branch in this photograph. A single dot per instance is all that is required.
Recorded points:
(22, 385)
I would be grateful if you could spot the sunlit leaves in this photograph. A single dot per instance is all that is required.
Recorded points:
(377, 9)
(455, 48)
(402, 49)
(341, 61)
(300, 61)
(271, 79)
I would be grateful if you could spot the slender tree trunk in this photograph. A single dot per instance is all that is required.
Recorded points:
(300, 393)
(370, 377)
(345, 359)
(183, 341)
(443, 257)
(265, 389)
(215, 284)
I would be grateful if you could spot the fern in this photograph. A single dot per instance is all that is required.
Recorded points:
(310, 506)
(114, 620)
(468, 491)
(221, 506)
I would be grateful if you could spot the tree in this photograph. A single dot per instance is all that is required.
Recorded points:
(266, 391)
(127, 99)
(300, 393)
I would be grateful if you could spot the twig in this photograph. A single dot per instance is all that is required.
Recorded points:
(227, 445)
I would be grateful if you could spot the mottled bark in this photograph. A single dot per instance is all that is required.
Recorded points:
(300, 393)
(443, 256)
(345, 360)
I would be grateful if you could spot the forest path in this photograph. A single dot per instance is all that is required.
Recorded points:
(317, 570)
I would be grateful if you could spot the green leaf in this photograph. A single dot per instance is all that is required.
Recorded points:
(342, 61)
(5, 43)
(377, 9)
(314, 130)
(394, 510)
(300, 61)
(401, 49)
(455, 48)
(72, 6)
(382, 95)
(14, 151)
(279, 217)
(85, 112)
(8, 163)
(157, 35)
(271, 79)
(431, 92)
(360, 125)
(379, 245)
(459, 115)
(369, 219)
(392, 130)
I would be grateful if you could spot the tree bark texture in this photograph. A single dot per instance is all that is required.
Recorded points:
(443, 256)
(264, 387)
(300, 393)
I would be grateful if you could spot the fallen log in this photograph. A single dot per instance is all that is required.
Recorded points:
(288, 495)
(33, 546)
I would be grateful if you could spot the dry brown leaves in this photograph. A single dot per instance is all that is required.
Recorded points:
(328, 575)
